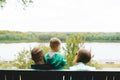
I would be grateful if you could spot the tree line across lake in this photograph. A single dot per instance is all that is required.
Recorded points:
(16, 36)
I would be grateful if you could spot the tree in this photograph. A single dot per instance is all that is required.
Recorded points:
(24, 2)
(72, 45)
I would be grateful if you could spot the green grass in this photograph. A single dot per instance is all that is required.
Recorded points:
(109, 65)
(105, 41)
(18, 41)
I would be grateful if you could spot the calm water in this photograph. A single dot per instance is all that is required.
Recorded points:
(101, 51)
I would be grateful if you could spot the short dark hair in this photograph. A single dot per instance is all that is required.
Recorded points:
(83, 55)
(55, 43)
(37, 54)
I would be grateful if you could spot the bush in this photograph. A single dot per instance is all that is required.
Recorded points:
(73, 44)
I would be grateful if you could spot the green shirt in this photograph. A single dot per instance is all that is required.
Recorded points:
(57, 60)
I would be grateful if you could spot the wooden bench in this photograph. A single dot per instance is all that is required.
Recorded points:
(30, 74)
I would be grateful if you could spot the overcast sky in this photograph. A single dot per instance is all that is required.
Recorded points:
(62, 16)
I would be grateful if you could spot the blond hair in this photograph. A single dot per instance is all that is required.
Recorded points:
(55, 44)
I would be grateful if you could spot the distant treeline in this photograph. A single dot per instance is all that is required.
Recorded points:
(16, 36)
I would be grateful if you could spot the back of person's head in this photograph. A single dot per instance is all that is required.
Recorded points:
(37, 55)
(83, 55)
(55, 44)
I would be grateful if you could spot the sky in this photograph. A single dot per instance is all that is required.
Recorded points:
(62, 16)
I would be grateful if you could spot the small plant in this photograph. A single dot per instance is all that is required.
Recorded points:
(23, 60)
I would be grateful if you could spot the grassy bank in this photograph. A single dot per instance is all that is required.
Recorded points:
(15, 36)
(109, 65)
(27, 41)
(18, 41)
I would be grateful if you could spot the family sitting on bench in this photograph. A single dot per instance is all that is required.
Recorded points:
(55, 60)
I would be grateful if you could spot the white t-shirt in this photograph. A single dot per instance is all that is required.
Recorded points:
(82, 66)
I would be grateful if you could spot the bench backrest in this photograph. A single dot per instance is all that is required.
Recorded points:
(22, 74)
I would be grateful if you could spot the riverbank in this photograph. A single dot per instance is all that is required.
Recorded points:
(110, 69)
(32, 41)
(108, 66)
(15, 36)
(18, 41)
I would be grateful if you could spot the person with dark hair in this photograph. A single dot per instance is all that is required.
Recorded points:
(54, 57)
(82, 57)
(37, 55)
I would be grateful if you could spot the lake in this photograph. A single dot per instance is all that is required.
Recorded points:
(101, 51)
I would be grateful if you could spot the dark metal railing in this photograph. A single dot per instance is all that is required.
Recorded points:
(30, 74)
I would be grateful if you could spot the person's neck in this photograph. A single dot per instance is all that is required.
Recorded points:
(40, 62)
(53, 51)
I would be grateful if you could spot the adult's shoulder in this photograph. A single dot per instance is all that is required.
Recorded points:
(46, 54)
(91, 68)
(42, 66)
(81, 66)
